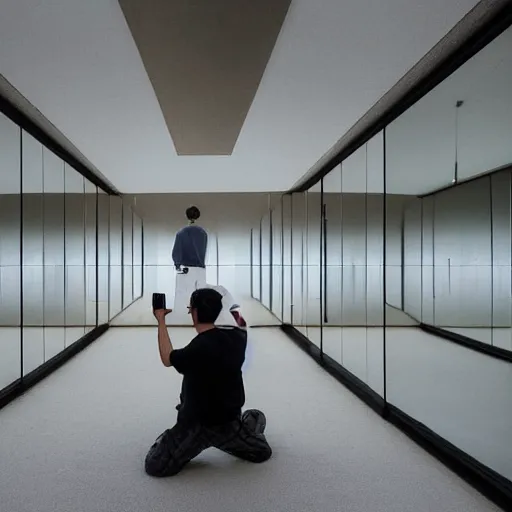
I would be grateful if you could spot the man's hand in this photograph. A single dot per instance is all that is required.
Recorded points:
(160, 314)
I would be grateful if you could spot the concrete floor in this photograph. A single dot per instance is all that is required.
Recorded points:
(76, 442)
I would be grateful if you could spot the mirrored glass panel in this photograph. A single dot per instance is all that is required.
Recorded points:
(53, 255)
(313, 257)
(266, 251)
(287, 276)
(116, 256)
(299, 265)
(256, 262)
(74, 242)
(10, 247)
(277, 260)
(127, 255)
(103, 257)
(91, 256)
(137, 256)
(32, 253)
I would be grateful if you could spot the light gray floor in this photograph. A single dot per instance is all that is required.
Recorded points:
(140, 314)
(76, 442)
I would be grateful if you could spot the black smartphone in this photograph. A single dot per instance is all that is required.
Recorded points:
(158, 301)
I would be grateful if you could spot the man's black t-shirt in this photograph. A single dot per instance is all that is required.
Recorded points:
(213, 388)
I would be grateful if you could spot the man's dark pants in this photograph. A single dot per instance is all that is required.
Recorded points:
(177, 446)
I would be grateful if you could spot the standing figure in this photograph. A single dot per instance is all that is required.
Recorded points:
(189, 255)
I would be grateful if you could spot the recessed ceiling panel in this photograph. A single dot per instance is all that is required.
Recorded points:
(205, 59)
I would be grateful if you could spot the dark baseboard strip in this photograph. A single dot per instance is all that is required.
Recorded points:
(22, 385)
(479, 346)
(494, 486)
(357, 386)
(491, 484)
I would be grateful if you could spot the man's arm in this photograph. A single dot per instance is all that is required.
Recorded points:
(164, 341)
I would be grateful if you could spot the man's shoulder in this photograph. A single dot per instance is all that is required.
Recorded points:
(192, 228)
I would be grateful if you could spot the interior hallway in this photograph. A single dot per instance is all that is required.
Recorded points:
(77, 441)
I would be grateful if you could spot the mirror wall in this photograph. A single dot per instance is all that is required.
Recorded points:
(448, 178)
(61, 257)
(406, 244)
(449, 162)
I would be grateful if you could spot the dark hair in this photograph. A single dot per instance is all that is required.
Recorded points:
(193, 213)
(208, 304)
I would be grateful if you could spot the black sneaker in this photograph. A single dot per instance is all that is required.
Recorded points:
(255, 420)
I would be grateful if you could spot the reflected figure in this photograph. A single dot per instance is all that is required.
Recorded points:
(189, 255)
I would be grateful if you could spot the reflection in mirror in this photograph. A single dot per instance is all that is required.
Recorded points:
(483, 90)
(32, 254)
(256, 262)
(333, 270)
(137, 256)
(127, 255)
(10, 277)
(103, 257)
(116, 256)
(454, 254)
(313, 255)
(299, 269)
(277, 267)
(75, 275)
(91, 290)
(265, 260)
(287, 289)
(462, 259)
(501, 193)
(53, 255)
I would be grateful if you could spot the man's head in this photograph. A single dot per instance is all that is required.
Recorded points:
(192, 213)
(205, 306)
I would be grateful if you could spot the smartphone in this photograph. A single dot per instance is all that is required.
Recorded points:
(158, 301)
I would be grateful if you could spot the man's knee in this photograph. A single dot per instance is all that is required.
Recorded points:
(160, 469)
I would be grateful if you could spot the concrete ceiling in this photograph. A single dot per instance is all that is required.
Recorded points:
(78, 63)
(205, 60)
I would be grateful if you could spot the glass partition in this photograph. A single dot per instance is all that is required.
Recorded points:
(266, 258)
(103, 257)
(54, 335)
(116, 256)
(32, 253)
(256, 262)
(137, 257)
(277, 260)
(299, 268)
(287, 258)
(400, 260)
(91, 256)
(313, 257)
(10, 257)
(61, 241)
(448, 257)
(75, 229)
(127, 255)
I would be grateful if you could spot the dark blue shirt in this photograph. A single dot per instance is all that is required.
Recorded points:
(190, 247)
